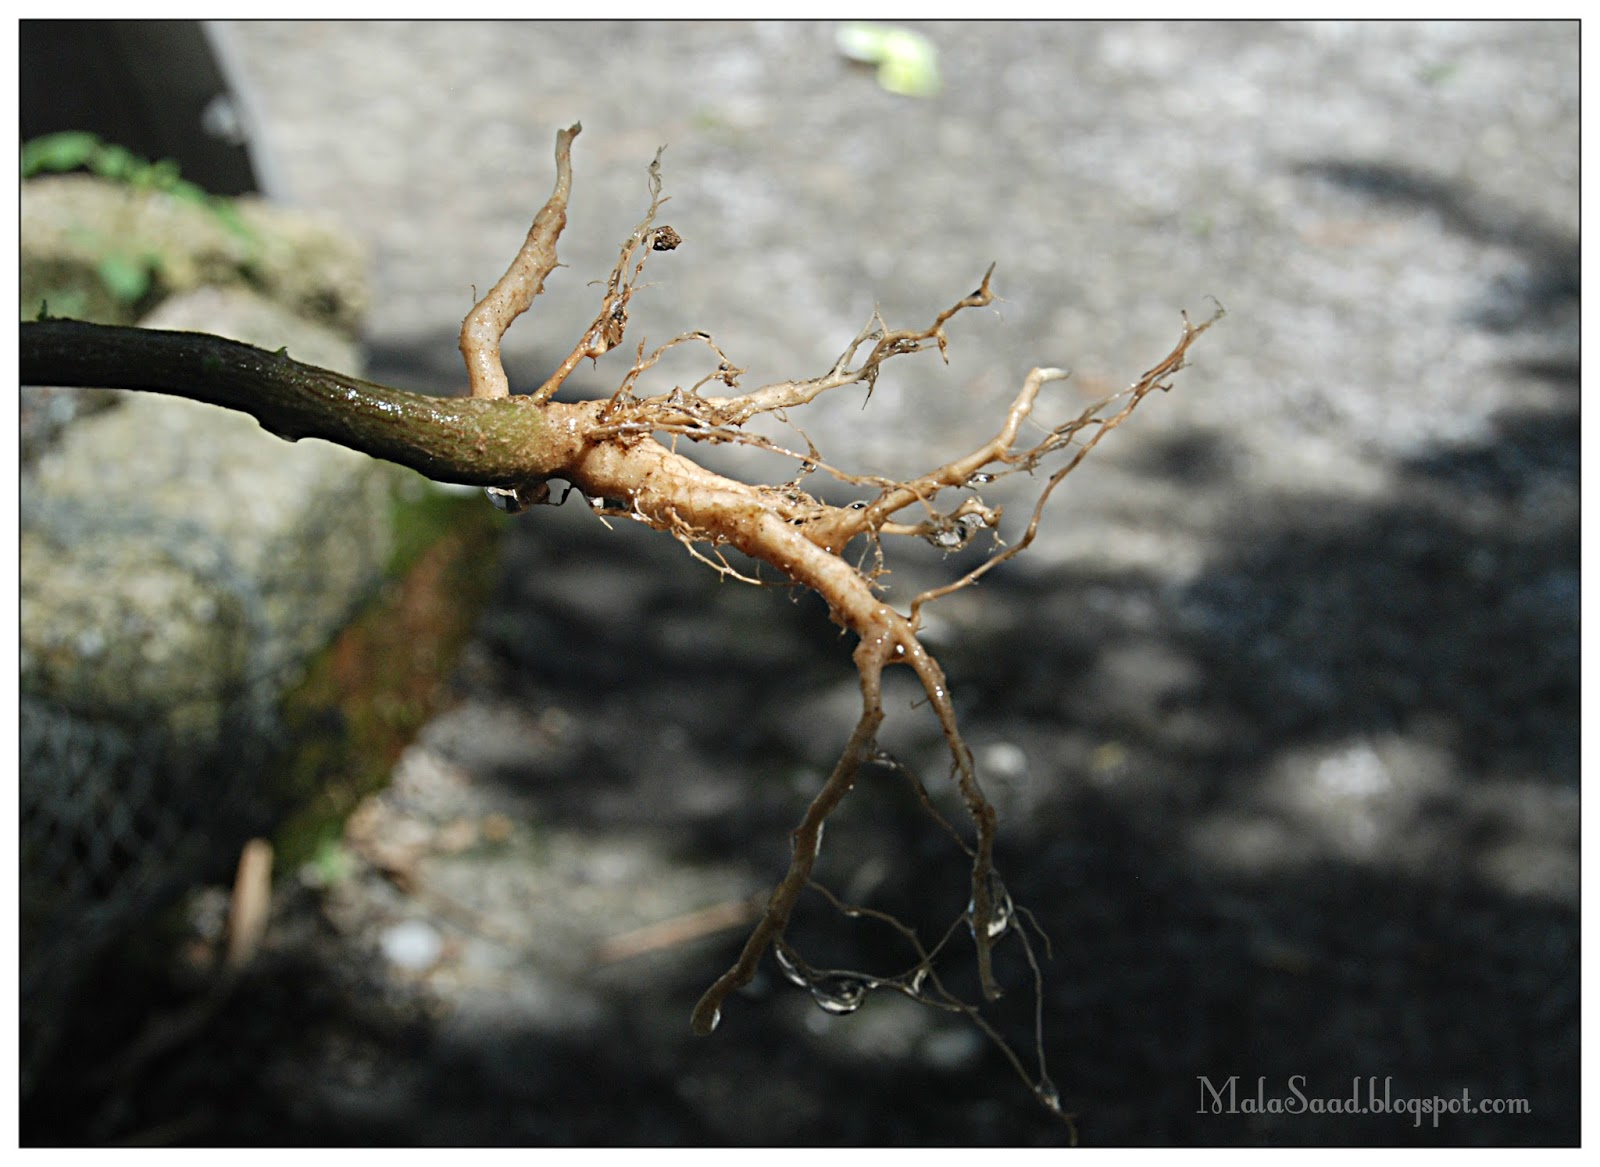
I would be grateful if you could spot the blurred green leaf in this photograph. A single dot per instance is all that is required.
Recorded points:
(228, 215)
(188, 192)
(116, 162)
(908, 62)
(162, 175)
(331, 863)
(56, 152)
(126, 278)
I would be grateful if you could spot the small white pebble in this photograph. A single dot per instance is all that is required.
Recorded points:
(1003, 760)
(413, 945)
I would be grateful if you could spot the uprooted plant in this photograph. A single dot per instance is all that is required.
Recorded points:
(622, 454)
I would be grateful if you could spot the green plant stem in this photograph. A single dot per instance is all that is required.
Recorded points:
(449, 439)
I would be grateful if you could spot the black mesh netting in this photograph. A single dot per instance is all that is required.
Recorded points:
(119, 811)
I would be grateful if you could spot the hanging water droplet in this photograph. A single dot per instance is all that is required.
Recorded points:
(1000, 916)
(838, 993)
(914, 985)
(505, 500)
(790, 970)
(981, 478)
(1001, 910)
(1047, 1093)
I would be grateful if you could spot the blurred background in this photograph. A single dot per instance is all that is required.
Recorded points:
(1280, 712)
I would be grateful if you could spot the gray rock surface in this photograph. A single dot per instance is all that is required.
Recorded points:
(160, 470)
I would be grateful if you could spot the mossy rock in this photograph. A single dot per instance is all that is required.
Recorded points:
(94, 249)
(365, 697)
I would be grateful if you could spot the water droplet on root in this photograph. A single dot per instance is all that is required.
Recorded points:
(505, 500)
(839, 993)
(1000, 917)
(790, 969)
(914, 985)
(1001, 910)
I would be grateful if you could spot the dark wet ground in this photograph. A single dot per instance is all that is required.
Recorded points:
(1281, 713)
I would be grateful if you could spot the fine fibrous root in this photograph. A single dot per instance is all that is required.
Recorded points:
(612, 452)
